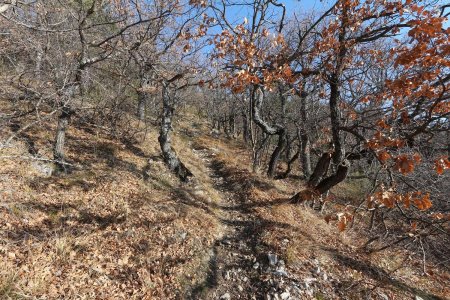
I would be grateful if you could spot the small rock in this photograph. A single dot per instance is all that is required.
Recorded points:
(317, 270)
(308, 281)
(256, 265)
(267, 297)
(240, 288)
(227, 275)
(273, 259)
(383, 295)
(199, 193)
(280, 272)
(286, 295)
(226, 242)
(245, 279)
(183, 235)
(225, 296)
(418, 298)
(325, 276)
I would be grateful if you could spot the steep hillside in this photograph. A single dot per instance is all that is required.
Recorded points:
(120, 226)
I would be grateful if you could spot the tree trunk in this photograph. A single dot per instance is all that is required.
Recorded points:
(60, 139)
(320, 170)
(142, 103)
(257, 99)
(326, 184)
(304, 138)
(170, 157)
(245, 131)
(276, 153)
(335, 117)
(305, 155)
(290, 163)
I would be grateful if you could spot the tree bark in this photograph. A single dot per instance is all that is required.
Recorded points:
(320, 170)
(276, 153)
(170, 157)
(327, 183)
(304, 138)
(290, 163)
(305, 155)
(257, 99)
(245, 130)
(60, 139)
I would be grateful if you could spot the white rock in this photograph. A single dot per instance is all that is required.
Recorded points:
(273, 259)
(256, 265)
(225, 296)
(285, 295)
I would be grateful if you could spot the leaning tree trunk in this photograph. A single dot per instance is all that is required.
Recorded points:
(170, 157)
(289, 164)
(325, 184)
(276, 153)
(257, 99)
(60, 139)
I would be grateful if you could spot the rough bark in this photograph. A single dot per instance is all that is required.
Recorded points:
(335, 97)
(170, 157)
(258, 97)
(305, 155)
(60, 139)
(276, 153)
(245, 129)
(143, 96)
(304, 139)
(320, 170)
(290, 163)
(327, 183)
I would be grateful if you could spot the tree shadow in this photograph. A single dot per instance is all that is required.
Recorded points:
(379, 274)
(245, 243)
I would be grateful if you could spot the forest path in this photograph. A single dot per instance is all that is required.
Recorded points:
(241, 266)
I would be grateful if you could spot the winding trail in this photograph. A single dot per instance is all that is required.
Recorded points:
(239, 267)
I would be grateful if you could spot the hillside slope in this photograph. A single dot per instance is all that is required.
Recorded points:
(120, 226)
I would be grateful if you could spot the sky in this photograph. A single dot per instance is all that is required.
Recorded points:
(299, 7)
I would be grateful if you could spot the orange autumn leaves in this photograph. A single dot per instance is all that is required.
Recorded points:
(441, 165)
(390, 198)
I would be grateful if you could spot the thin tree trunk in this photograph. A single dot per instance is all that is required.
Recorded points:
(245, 131)
(304, 139)
(320, 170)
(290, 163)
(305, 155)
(257, 99)
(327, 183)
(170, 157)
(60, 139)
(276, 153)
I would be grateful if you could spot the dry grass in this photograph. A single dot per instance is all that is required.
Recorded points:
(121, 226)
(113, 228)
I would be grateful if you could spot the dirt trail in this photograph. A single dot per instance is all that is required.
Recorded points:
(240, 267)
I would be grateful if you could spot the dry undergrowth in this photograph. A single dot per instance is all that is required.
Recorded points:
(304, 240)
(114, 228)
(120, 226)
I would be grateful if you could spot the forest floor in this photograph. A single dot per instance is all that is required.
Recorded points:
(120, 226)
